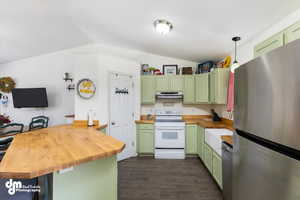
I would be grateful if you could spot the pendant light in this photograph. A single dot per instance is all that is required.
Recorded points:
(235, 63)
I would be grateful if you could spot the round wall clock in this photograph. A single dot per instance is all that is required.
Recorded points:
(86, 88)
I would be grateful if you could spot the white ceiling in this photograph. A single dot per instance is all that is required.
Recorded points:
(202, 29)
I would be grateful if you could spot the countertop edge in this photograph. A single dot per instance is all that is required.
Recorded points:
(40, 172)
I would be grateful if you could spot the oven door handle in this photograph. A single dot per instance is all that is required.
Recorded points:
(169, 129)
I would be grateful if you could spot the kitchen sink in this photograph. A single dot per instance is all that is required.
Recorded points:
(213, 138)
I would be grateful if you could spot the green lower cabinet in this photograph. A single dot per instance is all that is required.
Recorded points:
(191, 139)
(200, 141)
(217, 168)
(208, 157)
(145, 139)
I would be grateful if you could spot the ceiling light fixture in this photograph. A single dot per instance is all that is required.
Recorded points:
(162, 26)
(235, 63)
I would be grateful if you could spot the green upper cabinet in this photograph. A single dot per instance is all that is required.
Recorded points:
(219, 78)
(292, 33)
(270, 44)
(175, 83)
(202, 88)
(288, 35)
(148, 87)
(212, 86)
(189, 89)
(162, 83)
(191, 139)
(169, 83)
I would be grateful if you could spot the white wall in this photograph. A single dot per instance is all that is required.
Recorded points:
(43, 71)
(246, 49)
(186, 109)
(97, 67)
(90, 61)
(158, 61)
(96, 61)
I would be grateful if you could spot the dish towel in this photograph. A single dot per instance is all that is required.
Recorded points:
(230, 93)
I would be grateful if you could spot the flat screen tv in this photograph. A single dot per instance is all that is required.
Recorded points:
(30, 97)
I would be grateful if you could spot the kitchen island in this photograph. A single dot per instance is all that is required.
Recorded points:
(89, 155)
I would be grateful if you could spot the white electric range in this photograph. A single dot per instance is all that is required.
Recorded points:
(169, 135)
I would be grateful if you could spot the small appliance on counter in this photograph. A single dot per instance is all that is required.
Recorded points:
(169, 135)
(91, 118)
(215, 116)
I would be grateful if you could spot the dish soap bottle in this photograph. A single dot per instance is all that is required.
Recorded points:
(215, 116)
(90, 118)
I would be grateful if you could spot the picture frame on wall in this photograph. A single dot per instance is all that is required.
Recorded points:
(170, 69)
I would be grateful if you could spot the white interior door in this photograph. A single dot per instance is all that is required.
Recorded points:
(122, 112)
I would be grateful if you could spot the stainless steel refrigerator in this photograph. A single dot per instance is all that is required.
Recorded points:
(266, 155)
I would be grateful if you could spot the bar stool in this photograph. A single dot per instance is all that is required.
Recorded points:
(38, 123)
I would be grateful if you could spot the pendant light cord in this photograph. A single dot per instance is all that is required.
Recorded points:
(235, 61)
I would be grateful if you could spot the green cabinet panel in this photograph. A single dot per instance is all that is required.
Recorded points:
(171, 83)
(202, 88)
(97, 179)
(270, 44)
(148, 89)
(162, 83)
(103, 130)
(200, 141)
(217, 168)
(191, 139)
(292, 33)
(208, 157)
(175, 83)
(219, 78)
(212, 86)
(145, 138)
(189, 89)
(145, 126)
(145, 141)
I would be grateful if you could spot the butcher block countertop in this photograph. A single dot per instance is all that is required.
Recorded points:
(228, 139)
(204, 121)
(44, 151)
(144, 121)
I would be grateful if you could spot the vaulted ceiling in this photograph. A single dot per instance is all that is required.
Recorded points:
(202, 29)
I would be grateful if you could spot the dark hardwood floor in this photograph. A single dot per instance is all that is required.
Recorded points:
(145, 178)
